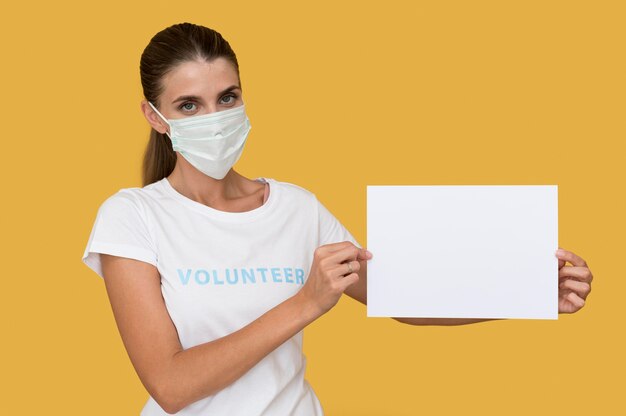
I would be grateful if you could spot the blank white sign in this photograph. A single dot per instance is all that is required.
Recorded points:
(462, 251)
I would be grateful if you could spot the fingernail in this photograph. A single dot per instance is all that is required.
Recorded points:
(559, 252)
(369, 254)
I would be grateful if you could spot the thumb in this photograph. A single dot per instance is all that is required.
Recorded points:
(364, 254)
(561, 262)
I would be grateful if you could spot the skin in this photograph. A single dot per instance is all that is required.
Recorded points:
(176, 377)
(234, 192)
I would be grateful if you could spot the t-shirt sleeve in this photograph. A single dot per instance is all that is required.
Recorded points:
(330, 228)
(120, 229)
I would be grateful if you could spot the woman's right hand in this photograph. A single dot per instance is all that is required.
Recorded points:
(330, 274)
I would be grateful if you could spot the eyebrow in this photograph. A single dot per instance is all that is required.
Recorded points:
(198, 98)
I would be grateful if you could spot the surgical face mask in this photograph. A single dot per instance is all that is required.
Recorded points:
(213, 142)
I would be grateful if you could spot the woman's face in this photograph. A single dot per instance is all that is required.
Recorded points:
(194, 88)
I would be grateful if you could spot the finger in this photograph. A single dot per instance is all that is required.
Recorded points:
(364, 254)
(343, 270)
(582, 274)
(561, 262)
(575, 299)
(581, 289)
(348, 280)
(571, 257)
(333, 247)
(350, 251)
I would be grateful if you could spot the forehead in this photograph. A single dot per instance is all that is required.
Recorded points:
(199, 77)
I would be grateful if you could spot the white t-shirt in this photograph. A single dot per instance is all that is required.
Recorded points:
(219, 272)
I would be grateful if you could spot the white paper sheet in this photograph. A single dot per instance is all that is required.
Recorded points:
(462, 251)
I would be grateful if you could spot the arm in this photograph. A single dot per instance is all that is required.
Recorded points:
(358, 292)
(175, 377)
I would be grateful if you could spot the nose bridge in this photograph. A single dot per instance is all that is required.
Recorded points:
(212, 108)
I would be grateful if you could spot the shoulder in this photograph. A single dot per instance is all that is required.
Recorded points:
(130, 201)
(295, 192)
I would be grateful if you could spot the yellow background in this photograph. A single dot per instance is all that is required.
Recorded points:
(340, 95)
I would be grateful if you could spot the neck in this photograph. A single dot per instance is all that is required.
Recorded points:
(195, 185)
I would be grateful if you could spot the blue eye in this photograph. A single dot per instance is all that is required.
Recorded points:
(233, 96)
(184, 106)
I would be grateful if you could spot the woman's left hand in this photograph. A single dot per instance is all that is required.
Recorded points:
(574, 281)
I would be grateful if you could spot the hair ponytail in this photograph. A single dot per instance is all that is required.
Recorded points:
(159, 159)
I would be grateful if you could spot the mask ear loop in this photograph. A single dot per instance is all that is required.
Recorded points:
(164, 119)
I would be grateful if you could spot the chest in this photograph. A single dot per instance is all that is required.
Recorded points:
(217, 277)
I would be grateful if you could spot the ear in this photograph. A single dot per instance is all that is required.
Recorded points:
(153, 118)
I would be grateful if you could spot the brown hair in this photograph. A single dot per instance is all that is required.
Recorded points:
(167, 49)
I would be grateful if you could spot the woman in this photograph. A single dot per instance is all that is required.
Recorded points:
(213, 276)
